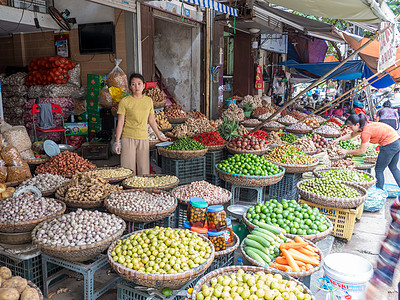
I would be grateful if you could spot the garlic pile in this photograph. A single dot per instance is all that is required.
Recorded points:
(46, 182)
(152, 134)
(140, 201)
(203, 189)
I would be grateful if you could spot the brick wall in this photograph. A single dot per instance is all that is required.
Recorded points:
(20, 49)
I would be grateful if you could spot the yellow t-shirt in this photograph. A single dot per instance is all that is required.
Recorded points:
(136, 113)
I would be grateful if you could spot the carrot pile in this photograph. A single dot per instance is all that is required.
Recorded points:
(296, 256)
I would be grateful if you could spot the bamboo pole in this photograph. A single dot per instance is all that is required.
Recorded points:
(207, 62)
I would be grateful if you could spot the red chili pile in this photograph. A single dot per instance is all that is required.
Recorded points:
(65, 163)
(333, 120)
(47, 70)
(210, 138)
(260, 134)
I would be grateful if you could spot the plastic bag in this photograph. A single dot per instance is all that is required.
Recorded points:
(117, 77)
(376, 199)
(11, 156)
(3, 174)
(18, 137)
(105, 98)
(79, 98)
(35, 91)
(27, 154)
(75, 75)
(18, 173)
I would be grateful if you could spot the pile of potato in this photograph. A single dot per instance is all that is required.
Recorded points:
(15, 287)
(6, 192)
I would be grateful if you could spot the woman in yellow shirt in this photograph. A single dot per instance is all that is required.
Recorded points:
(132, 137)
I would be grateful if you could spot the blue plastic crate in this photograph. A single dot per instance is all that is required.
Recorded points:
(187, 170)
(286, 188)
(393, 190)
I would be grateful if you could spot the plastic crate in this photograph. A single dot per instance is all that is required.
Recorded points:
(180, 215)
(213, 158)
(187, 170)
(221, 262)
(243, 195)
(126, 291)
(134, 226)
(30, 269)
(286, 188)
(343, 219)
(215, 180)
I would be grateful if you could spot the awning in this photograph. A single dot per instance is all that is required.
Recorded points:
(350, 70)
(363, 11)
(308, 26)
(215, 5)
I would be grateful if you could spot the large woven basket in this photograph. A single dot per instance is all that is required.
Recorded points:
(311, 237)
(246, 180)
(164, 187)
(77, 253)
(364, 184)
(133, 216)
(229, 249)
(181, 154)
(34, 286)
(365, 166)
(173, 281)
(15, 238)
(152, 144)
(216, 202)
(370, 159)
(240, 151)
(272, 128)
(15, 183)
(336, 158)
(216, 147)
(80, 204)
(49, 192)
(29, 225)
(332, 201)
(296, 131)
(112, 179)
(286, 123)
(294, 169)
(36, 161)
(177, 120)
(165, 129)
(247, 269)
(159, 104)
(329, 136)
(293, 274)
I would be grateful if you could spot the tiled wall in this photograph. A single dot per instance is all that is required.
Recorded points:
(20, 49)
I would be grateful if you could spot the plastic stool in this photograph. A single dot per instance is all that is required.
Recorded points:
(260, 192)
(87, 269)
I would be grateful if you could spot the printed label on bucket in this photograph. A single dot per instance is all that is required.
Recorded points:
(348, 291)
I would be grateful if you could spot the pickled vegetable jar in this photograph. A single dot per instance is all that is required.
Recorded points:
(218, 240)
(197, 211)
(216, 218)
(201, 230)
(228, 233)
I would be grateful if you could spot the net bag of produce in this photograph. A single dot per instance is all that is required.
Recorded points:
(376, 199)
(105, 98)
(11, 156)
(117, 77)
(27, 154)
(3, 174)
(18, 173)
(75, 75)
(18, 137)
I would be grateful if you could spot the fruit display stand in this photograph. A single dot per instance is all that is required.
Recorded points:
(87, 269)
(187, 170)
(343, 219)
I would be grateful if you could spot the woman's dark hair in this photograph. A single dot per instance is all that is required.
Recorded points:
(355, 119)
(387, 103)
(136, 75)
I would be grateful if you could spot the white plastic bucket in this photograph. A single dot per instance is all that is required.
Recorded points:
(349, 275)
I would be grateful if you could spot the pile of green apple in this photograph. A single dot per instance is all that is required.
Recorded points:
(242, 285)
(162, 251)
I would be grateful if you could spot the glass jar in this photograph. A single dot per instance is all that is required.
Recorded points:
(200, 230)
(216, 218)
(228, 233)
(197, 211)
(217, 239)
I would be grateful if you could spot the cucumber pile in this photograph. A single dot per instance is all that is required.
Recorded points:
(263, 243)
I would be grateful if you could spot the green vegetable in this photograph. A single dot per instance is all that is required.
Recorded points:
(186, 144)
(272, 228)
(347, 145)
(289, 137)
(254, 244)
(346, 175)
(228, 129)
(264, 256)
(248, 107)
(259, 239)
(329, 187)
(255, 256)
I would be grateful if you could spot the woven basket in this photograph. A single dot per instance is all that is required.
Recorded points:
(15, 183)
(229, 249)
(159, 104)
(152, 144)
(293, 274)
(15, 238)
(332, 201)
(246, 180)
(165, 129)
(364, 184)
(77, 253)
(173, 281)
(80, 204)
(297, 168)
(337, 158)
(247, 124)
(34, 286)
(133, 216)
(29, 225)
(36, 161)
(165, 187)
(310, 237)
(216, 202)
(65, 175)
(365, 166)
(112, 179)
(49, 192)
(216, 147)
(295, 131)
(285, 123)
(272, 128)
(370, 159)
(239, 151)
(247, 269)
(181, 154)
(311, 152)
(178, 120)
(325, 135)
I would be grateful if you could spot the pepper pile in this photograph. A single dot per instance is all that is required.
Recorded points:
(288, 154)
(186, 144)
(288, 137)
(260, 134)
(333, 120)
(210, 138)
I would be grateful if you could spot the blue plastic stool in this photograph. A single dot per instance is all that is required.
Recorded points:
(260, 192)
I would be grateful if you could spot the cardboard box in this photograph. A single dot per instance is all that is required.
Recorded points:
(79, 128)
(94, 128)
(94, 118)
(82, 117)
(94, 80)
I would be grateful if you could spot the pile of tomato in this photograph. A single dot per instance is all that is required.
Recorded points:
(47, 70)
